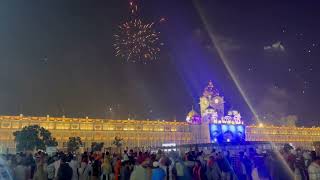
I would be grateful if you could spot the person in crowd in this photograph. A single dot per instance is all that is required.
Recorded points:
(157, 172)
(140, 171)
(213, 170)
(96, 169)
(117, 169)
(57, 163)
(74, 164)
(65, 171)
(50, 169)
(4, 171)
(179, 169)
(40, 173)
(166, 164)
(131, 156)
(20, 171)
(246, 163)
(85, 170)
(300, 172)
(224, 165)
(198, 171)
(260, 168)
(125, 155)
(289, 163)
(201, 157)
(106, 168)
(189, 164)
(140, 157)
(125, 170)
(12, 163)
(31, 166)
(314, 169)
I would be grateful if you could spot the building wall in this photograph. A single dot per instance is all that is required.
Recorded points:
(136, 133)
(282, 134)
(141, 133)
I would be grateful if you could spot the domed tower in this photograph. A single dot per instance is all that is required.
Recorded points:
(214, 126)
(211, 98)
(198, 130)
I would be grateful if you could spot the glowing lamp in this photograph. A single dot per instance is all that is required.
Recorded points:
(224, 128)
(232, 128)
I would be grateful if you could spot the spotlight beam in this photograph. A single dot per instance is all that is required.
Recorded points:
(233, 76)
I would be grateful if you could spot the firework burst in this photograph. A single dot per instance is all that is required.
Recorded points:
(137, 41)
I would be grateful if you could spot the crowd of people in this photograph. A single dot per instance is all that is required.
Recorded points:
(145, 165)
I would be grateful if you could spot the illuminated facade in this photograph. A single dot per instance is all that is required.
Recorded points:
(282, 134)
(209, 126)
(212, 125)
(136, 133)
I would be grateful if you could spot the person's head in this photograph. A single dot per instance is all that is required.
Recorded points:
(294, 152)
(38, 158)
(18, 159)
(146, 163)
(64, 158)
(155, 164)
(91, 158)
(317, 160)
(55, 157)
(125, 163)
(189, 157)
(313, 155)
(70, 157)
(212, 158)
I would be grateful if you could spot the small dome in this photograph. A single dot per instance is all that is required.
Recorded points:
(192, 113)
(193, 117)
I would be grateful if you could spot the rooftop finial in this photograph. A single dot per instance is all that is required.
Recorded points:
(210, 90)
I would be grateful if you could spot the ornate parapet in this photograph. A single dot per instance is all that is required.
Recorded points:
(63, 123)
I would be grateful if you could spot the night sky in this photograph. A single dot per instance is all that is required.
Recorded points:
(56, 57)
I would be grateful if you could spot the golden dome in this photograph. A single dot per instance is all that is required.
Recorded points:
(192, 113)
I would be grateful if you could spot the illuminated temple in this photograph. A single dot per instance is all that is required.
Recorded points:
(210, 125)
(220, 127)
